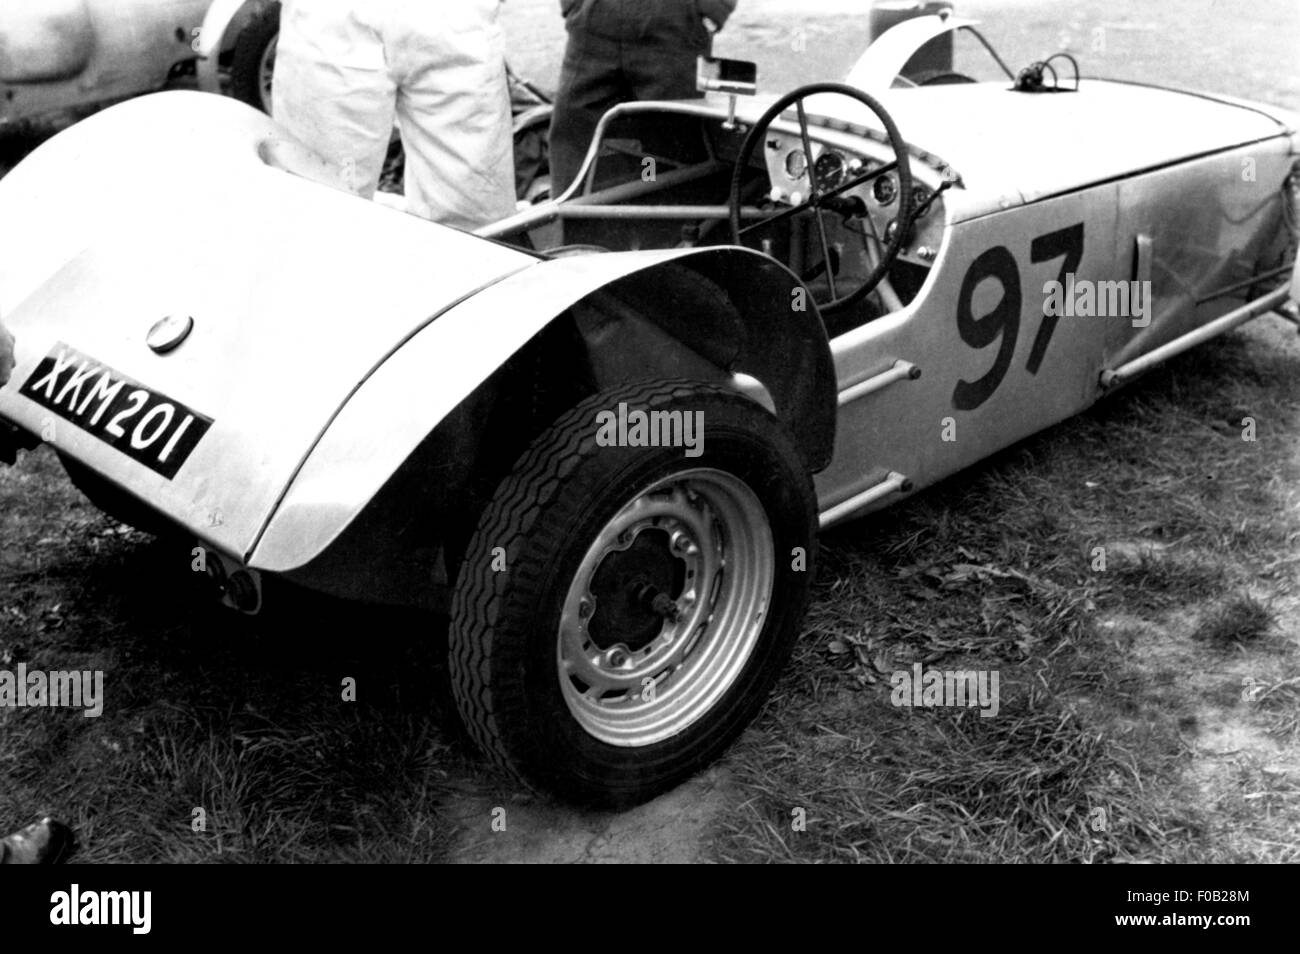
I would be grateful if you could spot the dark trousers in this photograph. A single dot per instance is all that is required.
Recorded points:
(619, 50)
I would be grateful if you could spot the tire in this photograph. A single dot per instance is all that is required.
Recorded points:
(646, 700)
(254, 56)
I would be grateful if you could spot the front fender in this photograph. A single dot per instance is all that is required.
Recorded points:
(398, 406)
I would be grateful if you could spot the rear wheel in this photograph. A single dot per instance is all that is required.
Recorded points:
(623, 611)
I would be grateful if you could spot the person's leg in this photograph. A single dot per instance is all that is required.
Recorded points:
(453, 106)
(332, 91)
(662, 65)
(591, 81)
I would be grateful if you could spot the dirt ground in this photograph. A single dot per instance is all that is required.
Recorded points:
(71, 578)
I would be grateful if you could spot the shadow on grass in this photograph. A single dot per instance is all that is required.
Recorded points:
(233, 726)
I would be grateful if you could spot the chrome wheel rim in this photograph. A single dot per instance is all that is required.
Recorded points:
(642, 657)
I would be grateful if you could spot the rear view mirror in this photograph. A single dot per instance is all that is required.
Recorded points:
(717, 75)
(714, 74)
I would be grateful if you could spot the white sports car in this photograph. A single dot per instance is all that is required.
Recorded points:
(605, 433)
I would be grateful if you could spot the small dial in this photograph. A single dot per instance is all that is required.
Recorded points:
(796, 164)
(920, 195)
(885, 189)
(831, 167)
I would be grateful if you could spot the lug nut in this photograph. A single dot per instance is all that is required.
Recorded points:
(665, 606)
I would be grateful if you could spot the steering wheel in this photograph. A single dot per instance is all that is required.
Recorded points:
(822, 199)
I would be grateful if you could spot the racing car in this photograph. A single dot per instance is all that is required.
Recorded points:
(604, 434)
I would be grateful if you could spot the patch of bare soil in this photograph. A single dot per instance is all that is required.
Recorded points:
(671, 829)
(1229, 669)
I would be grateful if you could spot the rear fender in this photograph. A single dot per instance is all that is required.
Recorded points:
(709, 314)
(741, 314)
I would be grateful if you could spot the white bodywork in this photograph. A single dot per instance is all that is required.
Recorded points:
(314, 348)
(333, 335)
(329, 286)
(1051, 144)
(885, 58)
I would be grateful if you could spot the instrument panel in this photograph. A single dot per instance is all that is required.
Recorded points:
(789, 166)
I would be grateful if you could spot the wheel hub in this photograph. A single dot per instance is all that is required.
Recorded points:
(636, 590)
(665, 607)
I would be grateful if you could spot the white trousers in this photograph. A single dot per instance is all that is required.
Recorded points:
(344, 68)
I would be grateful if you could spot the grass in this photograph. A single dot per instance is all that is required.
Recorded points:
(1240, 619)
(1036, 783)
(1111, 671)
(243, 719)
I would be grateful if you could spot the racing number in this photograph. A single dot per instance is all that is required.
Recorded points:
(1068, 243)
(1003, 322)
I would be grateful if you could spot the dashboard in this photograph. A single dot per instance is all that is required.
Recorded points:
(833, 165)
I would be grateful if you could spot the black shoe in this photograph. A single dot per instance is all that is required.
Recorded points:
(47, 842)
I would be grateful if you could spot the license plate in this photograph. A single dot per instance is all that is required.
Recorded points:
(149, 427)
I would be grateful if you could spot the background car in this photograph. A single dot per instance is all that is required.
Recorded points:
(61, 55)
(246, 31)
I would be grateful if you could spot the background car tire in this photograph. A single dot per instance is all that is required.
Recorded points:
(537, 537)
(252, 47)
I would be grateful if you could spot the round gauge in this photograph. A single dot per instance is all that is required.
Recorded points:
(831, 168)
(885, 189)
(919, 196)
(891, 230)
(796, 164)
